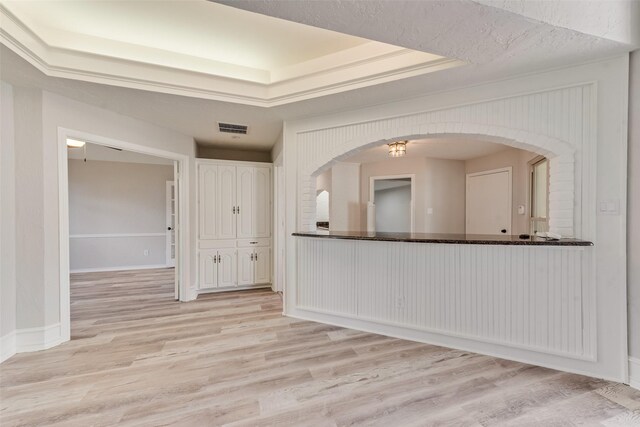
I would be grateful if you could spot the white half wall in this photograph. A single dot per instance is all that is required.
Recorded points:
(117, 211)
(576, 115)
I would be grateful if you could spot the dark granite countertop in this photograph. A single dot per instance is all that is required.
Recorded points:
(473, 239)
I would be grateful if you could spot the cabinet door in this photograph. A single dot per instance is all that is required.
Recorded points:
(207, 190)
(245, 266)
(227, 268)
(261, 202)
(208, 269)
(226, 202)
(262, 265)
(245, 201)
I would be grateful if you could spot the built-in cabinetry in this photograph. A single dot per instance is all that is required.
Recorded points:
(234, 225)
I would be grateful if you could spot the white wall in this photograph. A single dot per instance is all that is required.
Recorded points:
(518, 160)
(7, 223)
(633, 236)
(344, 197)
(115, 198)
(439, 185)
(322, 209)
(393, 209)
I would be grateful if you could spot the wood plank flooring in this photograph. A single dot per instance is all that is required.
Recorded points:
(137, 358)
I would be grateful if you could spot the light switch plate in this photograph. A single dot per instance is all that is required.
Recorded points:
(609, 207)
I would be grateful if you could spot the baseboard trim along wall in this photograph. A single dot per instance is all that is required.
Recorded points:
(119, 268)
(634, 372)
(113, 236)
(30, 339)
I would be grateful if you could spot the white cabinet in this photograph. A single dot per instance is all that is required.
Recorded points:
(218, 268)
(207, 203)
(226, 202)
(234, 223)
(245, 267)
(262, 265)
(254, 266)
(254, 201)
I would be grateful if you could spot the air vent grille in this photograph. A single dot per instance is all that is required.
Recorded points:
(230, 128)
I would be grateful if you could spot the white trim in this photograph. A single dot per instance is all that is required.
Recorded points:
(170, 226)
(36, 339)
(7, 346)
(114, 235)
(372, 204)
(634, 372)
(120, 268)
(236, 288)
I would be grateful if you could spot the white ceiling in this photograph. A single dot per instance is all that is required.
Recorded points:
(436, 148)
(192, 28)
(202, 49)
(497, 39)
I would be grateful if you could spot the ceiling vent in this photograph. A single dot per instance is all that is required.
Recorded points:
(229, 128)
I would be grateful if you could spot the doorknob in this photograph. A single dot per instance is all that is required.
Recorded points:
(169, 228)
(503, 230)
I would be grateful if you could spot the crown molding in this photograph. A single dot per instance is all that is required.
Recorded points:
(338, 72)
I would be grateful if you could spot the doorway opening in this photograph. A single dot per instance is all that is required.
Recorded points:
(117, 203)
(391, 204)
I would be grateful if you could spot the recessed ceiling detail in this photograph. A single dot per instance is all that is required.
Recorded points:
(201, 49)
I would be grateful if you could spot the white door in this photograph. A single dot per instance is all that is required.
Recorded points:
(245, 201)
(226, 202)
(227, 268)
(170, 212)
(488, 197)
(208, 260)
(207, 186)
(262, 264)
(245, 267)
(261, 202)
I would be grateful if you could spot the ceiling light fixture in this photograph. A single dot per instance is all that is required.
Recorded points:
(74, 143)
(398, 149)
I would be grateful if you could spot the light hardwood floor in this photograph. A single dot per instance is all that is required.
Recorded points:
(137, 358)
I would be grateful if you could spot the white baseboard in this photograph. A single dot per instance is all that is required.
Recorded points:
(35, 339)
(7, 346)
(120, 268)
(634, 372)
(30, 339)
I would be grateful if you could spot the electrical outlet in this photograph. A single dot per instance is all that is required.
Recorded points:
(146, 252)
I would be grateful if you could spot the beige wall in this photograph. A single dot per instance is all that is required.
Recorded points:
(110, 198)
(633, 235)
(439, 185)
(205, 152)
(7, 215)
(344, 197)
(518, 160)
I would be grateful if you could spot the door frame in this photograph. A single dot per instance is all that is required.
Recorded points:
(171, 262)
(509, 170)
(371, 203)
(183, 258)
(279, 234)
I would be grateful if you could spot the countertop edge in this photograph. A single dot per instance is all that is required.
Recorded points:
(565, 243)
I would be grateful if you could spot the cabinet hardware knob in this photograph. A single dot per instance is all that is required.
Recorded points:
(169, 228)
(504, 230)
(234, 209)
(253, 243)
(219, 258)
(238, 210)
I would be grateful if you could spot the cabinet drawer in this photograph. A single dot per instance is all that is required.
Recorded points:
(215, 244)
(258, 242)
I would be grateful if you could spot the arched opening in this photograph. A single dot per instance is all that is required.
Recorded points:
(463, 184)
